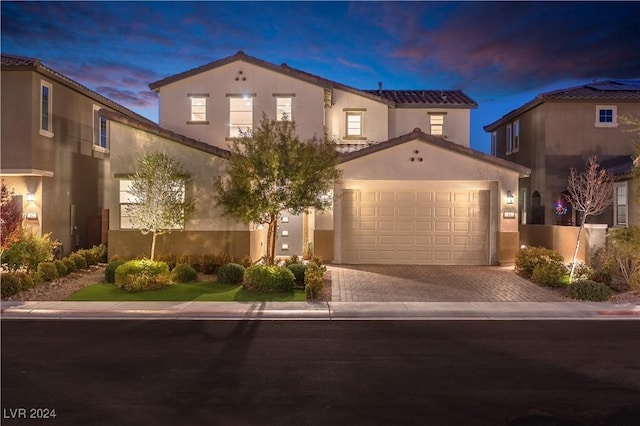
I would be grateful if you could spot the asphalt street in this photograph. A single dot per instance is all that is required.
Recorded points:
(128, 372)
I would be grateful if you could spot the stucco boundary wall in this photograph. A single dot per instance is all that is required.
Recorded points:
(132, 244)
(563, 239)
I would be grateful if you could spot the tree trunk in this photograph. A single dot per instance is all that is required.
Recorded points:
(271, 239)
(153, 245)
(575, 252)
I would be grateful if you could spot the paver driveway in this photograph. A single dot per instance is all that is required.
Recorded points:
(410, 283)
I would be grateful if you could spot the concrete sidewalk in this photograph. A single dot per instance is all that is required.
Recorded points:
(320, 311)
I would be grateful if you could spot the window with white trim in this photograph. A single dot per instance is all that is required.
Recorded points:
(240, 115)
(620, 204)
(100, 131)
(494, 142)
(354, 124)
(283, 109)
(198, 107)
(509, 144)
(46, 109)
(436, 124)
(606, 116)
(516, 136)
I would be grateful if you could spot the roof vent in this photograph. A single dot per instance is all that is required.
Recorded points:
(284, 64)
(417, 129)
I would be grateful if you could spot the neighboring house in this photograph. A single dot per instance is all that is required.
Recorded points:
(407, 195)
(55, 151)
(562, 129)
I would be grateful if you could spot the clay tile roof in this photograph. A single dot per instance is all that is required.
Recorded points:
(422, 98)
(20, 61)
(607, 90)
(604, 90)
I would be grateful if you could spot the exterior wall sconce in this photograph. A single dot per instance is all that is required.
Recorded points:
(31, 196)
(509, 197)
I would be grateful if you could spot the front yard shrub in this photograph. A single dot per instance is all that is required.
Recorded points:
(47, 271)
(268, 278)
(589, 290)
(14, 282)
(292, 260)
(208, 264)
(552, 274)
(27, 251)
(603, 277)
(10, 284)
(110, 270)
(246, 261)
(142, 274)
(94, 255)
(70, 264)
(79, 261)
(61, 268)
(169, 259)
(582, 272)
(298, 270)
(624, 247)
(184, 274)
(313, 281)
(231, 273)
(529, 257)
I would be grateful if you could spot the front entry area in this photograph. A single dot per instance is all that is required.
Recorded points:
(429, 225)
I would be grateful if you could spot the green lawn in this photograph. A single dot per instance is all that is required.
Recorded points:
(208, 291)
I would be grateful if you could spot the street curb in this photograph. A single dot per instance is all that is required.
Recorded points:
(327, 311)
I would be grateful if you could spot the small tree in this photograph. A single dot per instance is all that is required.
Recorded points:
(10, 217)
(272, 170)
(590, 193)
(160, 199)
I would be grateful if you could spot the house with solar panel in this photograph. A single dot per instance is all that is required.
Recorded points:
(561, 129)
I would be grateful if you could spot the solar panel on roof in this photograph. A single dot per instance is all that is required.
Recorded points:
(631, 85)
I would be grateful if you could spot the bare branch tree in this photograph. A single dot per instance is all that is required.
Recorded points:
(590, 193)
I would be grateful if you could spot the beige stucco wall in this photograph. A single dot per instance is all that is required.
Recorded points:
(308, 102)
(129, 144)
(132, 244)
(68, 171)
(375, 118)
(457, 122)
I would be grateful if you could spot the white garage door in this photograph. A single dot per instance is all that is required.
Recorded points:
(415, 227)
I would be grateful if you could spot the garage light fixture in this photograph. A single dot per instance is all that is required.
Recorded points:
(509, 197)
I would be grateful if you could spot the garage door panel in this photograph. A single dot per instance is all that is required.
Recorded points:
(415, 227)
(442, 226)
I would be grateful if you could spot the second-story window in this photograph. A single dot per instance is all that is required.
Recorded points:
(436, 124)
(100, 131)
(509, 144)
(198, 108)
(606, 116)
(516, 136)
(283, 109)
(240, 115)
(354, 123)
(494, 141)
(46, 107)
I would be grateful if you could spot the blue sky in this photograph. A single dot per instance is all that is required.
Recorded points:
(500, 53)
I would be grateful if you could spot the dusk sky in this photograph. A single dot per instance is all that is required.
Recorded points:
(500, 53)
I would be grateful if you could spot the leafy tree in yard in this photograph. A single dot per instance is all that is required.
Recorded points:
(590, 192)
(271, 171)
(10, 217)
(161, 201)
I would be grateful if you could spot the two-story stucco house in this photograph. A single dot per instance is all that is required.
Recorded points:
(412, 190)
(55, 151)
(562, 129)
